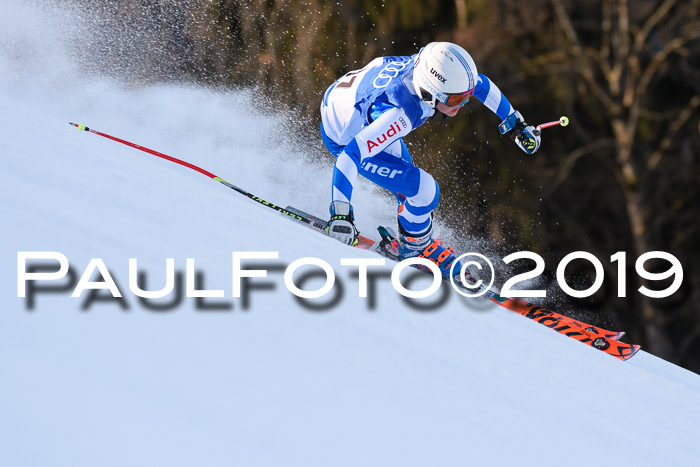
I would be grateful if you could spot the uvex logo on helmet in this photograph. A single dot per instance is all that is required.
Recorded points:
(394, 128)
(438, 75)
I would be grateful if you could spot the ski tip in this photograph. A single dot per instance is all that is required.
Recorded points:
(614, 335)
(630, 352)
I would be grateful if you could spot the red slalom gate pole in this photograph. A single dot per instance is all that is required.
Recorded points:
(82, 127)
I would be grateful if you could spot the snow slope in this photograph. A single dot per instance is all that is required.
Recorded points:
(276, 384)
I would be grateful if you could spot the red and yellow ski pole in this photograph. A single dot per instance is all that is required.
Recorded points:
(563, 121)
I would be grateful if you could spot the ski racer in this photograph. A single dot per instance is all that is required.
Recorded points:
(367, 113)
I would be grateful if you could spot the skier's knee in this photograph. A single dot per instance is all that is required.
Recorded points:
(427, 197)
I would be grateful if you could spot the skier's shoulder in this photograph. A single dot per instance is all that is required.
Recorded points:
(382, 79)
(401, 93)
(389, 84)
(396, 65)
(382, 70)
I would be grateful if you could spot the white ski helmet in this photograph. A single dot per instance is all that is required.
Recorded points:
(444, 72)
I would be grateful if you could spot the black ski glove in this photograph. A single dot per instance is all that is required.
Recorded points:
(341, 225)
(527, 137)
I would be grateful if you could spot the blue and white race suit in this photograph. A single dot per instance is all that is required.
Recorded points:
(365, 116)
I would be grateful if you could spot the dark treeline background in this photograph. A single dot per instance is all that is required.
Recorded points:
(624, 176)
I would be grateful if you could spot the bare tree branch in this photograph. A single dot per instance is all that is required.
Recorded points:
(674, 128)
(671, 46)
(641, 37)
(578, 52)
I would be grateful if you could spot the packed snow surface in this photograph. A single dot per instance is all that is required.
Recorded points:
(269, 382)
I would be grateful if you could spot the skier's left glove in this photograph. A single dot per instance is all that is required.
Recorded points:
(341, 226)
(527, 137)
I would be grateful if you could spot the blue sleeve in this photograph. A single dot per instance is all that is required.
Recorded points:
(492, 97)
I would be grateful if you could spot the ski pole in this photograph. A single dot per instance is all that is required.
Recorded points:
(563, 121)
(82, 127)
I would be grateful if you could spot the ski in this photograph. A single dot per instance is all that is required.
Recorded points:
(530, 310)
(594, 336)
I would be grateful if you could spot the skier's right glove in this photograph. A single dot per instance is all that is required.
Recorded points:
(527, 137)
(341, 226)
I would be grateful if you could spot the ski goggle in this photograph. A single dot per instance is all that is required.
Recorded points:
(457, 99)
